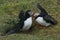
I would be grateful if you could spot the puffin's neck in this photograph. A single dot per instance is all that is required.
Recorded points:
(38, 16)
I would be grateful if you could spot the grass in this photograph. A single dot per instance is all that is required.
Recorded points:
(9, 10)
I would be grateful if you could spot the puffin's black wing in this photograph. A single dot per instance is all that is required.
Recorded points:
(50, 19)
(21, 14)
(22, 19)
(45, 15)
(43, 11)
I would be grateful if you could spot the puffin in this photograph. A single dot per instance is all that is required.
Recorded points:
(43, 18)
(26, 20)
(24, 24)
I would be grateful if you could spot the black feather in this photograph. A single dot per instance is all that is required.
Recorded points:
(43, 11)
(50, 19)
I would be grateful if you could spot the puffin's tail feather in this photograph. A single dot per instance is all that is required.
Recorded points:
(11, 32)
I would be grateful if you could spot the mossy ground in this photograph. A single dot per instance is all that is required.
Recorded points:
(9, 10)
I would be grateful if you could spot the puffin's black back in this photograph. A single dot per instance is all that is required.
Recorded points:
(50, 19)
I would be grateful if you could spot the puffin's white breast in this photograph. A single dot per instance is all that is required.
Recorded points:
(41, 21)
(27, 24)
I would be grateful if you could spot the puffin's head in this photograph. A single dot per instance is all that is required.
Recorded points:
(30, 12)
(36, 14)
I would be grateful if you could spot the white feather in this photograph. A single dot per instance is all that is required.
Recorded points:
(41, 21)
(27, 24)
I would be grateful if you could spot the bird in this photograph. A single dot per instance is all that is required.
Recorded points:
(24, 24)
(43, 18)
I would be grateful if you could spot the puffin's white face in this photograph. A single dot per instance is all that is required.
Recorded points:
(36, 14)
(30, 13)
